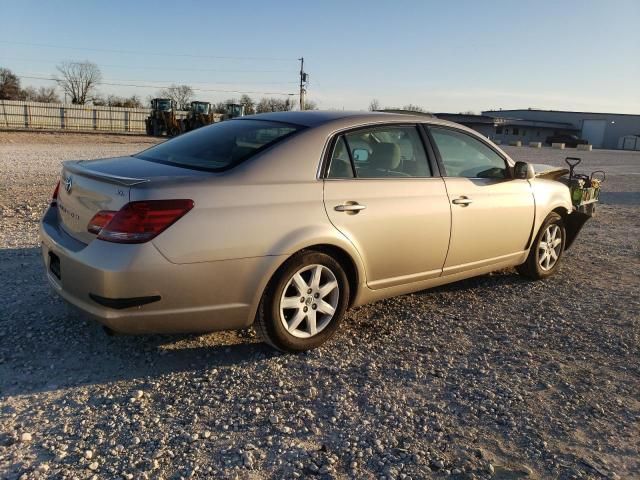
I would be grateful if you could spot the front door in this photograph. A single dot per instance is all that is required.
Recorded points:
(492, 214)
(381, 195)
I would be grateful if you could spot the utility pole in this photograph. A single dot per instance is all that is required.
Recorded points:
(304, 78)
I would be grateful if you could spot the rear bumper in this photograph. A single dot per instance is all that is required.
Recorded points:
(118, 285)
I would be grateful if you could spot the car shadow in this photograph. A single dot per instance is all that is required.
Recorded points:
(46, 345)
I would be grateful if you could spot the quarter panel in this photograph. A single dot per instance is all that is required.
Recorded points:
(235, 220)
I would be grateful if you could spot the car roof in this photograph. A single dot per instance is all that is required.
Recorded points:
(315, 118)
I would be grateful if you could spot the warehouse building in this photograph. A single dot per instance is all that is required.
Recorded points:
(510, 130)
(602, 130)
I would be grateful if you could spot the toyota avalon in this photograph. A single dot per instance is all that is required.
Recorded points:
(285, 220)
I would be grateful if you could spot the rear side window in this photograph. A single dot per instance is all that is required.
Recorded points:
(340, 166)
(220, 146)
(465, 156)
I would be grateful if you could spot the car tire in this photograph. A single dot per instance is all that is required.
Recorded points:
(546, 250)
(310, 292)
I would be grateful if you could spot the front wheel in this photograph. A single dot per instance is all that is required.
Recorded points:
(304, 303)
(546, 251)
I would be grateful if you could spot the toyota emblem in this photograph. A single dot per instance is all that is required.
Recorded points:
(68, 183)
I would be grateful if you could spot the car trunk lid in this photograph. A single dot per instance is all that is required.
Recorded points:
(84, 192)
(87, 187)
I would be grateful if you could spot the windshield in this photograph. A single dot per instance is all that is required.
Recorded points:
(164, 105)
(221, 146)
(201, 108)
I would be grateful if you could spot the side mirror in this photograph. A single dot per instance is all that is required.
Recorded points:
(523, 171)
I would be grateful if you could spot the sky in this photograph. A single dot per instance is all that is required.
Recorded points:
(445, 56)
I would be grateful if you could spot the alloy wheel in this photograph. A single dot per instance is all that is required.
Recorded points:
(309, 301)
(549, 247)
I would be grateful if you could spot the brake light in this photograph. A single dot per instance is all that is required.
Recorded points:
(54, 198)
(99, 220)
(139, 222)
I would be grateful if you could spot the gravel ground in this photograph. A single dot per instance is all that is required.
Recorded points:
(493, 377)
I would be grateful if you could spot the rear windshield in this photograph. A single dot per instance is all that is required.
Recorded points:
(221, 146)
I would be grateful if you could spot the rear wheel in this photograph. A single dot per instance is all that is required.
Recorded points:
(304, 303)
(546, 251)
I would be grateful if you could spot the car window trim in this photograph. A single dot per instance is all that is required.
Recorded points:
(433, 157)
(326, 158)
(354, 172)
(443, 170)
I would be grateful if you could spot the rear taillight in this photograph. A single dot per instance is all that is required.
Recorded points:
(54, 198)
(139, 222)
(100, 220)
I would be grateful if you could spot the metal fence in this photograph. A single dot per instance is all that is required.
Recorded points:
(77, 118)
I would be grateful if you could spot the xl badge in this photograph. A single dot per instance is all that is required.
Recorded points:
(68, 183)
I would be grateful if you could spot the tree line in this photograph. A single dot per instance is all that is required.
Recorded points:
(183, 95)
(79, 81)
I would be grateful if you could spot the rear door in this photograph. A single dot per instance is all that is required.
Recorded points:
(492, 214)
(380, 193)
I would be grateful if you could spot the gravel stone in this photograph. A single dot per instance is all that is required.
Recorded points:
(536, 379)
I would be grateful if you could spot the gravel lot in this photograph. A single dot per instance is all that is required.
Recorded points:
(493, 377)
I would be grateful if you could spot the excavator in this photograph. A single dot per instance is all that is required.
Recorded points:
(162, 119)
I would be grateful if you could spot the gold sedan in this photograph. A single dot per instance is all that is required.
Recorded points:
(287, 219)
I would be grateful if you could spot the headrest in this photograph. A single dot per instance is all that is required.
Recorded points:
(385, 156)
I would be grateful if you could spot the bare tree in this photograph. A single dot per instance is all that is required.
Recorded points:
(79, 80)
(413, 108)
(274, 105)
(9, 85)
(374, 105)
(310, 105)
(220, 107)
(42, 94)
(249, 104)
(181, 94)
(130, 102)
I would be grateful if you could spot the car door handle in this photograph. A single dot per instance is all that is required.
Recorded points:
(463, 201)
(349, 207)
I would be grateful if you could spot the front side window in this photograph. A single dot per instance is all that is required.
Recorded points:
(221, 146)
(465, 156)
(381, 152)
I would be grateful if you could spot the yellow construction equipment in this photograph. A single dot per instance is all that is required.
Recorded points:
(162, 119)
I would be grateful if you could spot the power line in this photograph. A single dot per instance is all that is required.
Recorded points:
(134, 67)
(165, 86)
(134, 52)
(181, 81)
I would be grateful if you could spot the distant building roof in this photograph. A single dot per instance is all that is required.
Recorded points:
(497, 120)
(467, 118)
(519, 122)
(555, 111)
(406, 112)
